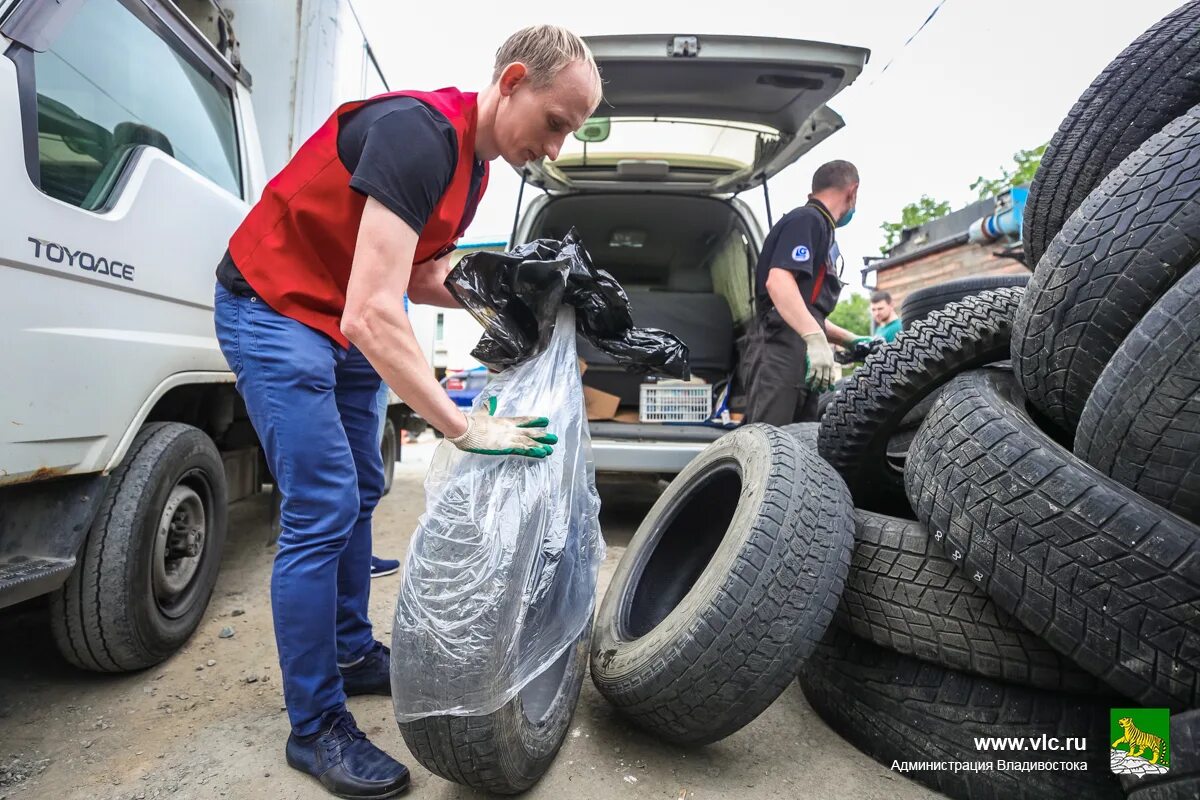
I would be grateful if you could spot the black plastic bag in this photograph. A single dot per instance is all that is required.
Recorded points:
(516, 295)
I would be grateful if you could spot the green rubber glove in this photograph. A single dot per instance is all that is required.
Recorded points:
(505, 436)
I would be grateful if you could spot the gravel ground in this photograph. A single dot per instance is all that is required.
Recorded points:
(209, 722)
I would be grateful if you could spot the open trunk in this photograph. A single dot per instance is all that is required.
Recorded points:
(686, 263)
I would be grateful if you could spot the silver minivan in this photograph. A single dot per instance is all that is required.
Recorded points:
(651, 184)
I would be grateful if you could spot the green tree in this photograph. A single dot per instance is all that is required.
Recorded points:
(853, 314)
(1026, 161)
(911, 216)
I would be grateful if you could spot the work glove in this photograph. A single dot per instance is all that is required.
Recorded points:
(505, 436)
(820, 362)
(862, 346)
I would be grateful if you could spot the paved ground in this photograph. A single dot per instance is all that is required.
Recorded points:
(209, 722)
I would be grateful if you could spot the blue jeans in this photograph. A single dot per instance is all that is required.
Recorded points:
(313, 404)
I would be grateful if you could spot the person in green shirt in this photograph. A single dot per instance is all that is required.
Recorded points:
(887, 321)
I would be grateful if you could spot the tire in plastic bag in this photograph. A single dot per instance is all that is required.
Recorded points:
(500, 577)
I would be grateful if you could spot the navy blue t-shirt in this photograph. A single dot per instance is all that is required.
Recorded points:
(802, 242)
(399, 151)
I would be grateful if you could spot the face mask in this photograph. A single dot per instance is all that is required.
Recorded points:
(845, 219)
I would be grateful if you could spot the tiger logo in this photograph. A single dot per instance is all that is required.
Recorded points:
(1139, 741)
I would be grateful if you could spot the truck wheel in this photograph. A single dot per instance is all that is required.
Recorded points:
(150, 560)
(509, 750)
(389, 450)
(726, 587)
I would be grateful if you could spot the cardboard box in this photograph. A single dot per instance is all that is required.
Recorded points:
(600, 405)
(628, 416)
(582, 365)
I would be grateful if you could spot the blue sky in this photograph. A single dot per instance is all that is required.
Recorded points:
(981, 81)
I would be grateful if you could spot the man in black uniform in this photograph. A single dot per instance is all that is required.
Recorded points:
(797, 282)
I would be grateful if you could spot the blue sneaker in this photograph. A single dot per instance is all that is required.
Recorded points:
(341, 757)
(372, 675)
(383, 566)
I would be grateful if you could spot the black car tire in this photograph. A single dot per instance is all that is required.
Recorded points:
(1141, 424)
(389, 448)
(1105, 576)
(509, 750)
(726, 587)
(921, 303)
(1152, 81)
(1131, 240)
(885, 397)
(904, 594)
(896, 708)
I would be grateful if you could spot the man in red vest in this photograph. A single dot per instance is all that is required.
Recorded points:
(310, 314)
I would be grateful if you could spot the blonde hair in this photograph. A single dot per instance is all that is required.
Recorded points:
(544, 50)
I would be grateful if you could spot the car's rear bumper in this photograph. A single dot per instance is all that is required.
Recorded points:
(622, 447)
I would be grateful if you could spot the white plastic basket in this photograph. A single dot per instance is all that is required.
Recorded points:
(675, 401)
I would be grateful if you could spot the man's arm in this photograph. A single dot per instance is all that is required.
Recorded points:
(375, 322)
(839, 335)
(426, 285)
(785, 294)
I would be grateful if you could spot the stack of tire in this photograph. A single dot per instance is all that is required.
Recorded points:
(1025, 466)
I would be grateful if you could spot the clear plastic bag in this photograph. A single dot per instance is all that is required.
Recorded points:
(500, 577)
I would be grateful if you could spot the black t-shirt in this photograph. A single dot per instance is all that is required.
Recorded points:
(802, 242)
(399, 151)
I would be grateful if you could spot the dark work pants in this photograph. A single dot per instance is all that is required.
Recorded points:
(776, 392)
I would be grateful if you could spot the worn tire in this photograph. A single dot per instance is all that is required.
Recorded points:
(1182, 781)
(1106, 577)
(904, 594)
(897, 708)
(107, 617)
(1152, 81)
(878, 404)
(1131, 240)
(921, 303)
(389, 447)
(804, 433)
(1141, 424)
(726, 587)
(505, 752)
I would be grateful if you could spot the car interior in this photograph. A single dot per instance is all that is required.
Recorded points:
(686, 263)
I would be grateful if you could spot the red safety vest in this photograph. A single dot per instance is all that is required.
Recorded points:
(296, 245)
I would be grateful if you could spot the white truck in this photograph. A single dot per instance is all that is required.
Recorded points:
(131, 151)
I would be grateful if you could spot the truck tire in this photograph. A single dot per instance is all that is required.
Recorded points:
(903, 594)
(896, 708)
(1106, 577)
(726, 587)
(1182, 781)
(1141, 424)
(1131, 240)
(389, 447)
(150, 560)
(509, 750)
(1152, 81)
(884, 398)
(920, 304)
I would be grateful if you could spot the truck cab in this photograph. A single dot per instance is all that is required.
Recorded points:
(130, 154)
